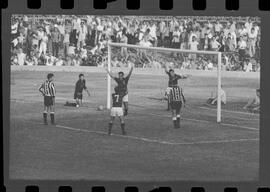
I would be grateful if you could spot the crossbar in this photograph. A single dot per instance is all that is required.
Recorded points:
(162, 49)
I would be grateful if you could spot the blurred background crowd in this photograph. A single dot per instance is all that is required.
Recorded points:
(71, 40)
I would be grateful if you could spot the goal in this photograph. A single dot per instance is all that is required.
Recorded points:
(138, 49)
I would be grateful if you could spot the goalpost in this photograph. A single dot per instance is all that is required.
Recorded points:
(162, 49)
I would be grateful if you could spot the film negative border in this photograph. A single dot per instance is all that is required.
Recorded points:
(230, 5)
(146, 7)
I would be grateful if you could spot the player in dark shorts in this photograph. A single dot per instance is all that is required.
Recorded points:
(122, 83)
(177, 100)
(48, 91)
(117, 110)
(173, 81)
(79, 87)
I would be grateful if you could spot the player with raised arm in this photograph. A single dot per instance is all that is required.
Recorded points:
(122, 83)
(177, 100)
(117, 110)
(173, 81)
(48, 91)
(79, 87)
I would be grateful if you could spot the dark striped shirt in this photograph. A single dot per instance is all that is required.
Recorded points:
(176, 94)
(47, 88)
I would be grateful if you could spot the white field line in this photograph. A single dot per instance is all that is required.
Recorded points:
(188, 119)
(237, 112)
(205, 121)
(86, 101)
(226, 116)
(41, 100)
(157, 141)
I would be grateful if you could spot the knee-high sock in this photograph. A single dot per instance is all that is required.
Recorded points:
(123, 128)
(45, 116)
(110, 128)
(52, 117)
(178, 120)
(174, 122)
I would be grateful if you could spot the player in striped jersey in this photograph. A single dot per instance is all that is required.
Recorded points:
(173, 81)
(177, 99)
(117, 109)
(48, 91)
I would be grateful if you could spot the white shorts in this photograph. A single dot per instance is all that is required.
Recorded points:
(125, 98)
(117, 111)
(168, 91)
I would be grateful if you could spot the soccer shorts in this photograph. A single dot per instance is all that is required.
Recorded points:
(117, 111)
(176, 105)
(78, 95)
(125, 98)
(168, 91)
(48, 101)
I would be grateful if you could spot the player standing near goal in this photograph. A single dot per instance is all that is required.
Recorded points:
(48, 91)
(122, 83)
(177, 100)
(117, 110)
(79, 87)
(173, 81)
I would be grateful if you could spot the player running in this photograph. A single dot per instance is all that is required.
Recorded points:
(117, 110)
(177, 100)
(79, 87)
(48, 91)
(173, 81)
(122, 83)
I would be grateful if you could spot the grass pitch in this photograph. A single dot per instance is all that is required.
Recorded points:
(78, 147)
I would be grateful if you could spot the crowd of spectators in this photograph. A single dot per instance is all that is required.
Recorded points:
(82, 40)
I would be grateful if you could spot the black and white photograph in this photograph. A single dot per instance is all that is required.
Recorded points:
(134, 98)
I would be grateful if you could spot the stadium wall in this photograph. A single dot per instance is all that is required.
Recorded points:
(139, 71)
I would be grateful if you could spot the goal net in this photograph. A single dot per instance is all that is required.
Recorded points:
(150, 62)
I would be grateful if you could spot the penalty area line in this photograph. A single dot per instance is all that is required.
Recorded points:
(229, 111)
(157, 141)
(205, 121)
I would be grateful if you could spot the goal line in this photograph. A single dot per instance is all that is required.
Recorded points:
(162, 49)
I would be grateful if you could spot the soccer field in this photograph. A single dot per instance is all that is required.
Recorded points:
(78, 147)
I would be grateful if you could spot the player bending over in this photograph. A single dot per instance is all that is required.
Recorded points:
(48, 91)
(122, 83)
(173, 81)
(253, 105)
(79, 87)
(117, 110)
(177, 99)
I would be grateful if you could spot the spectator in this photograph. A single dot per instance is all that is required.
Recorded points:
(242, 45)
(21, 57)
(54, 34)
(252, 42)
(43, 44)
(66, 42)
(176, 38)
(193, 46)
(56, 38)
